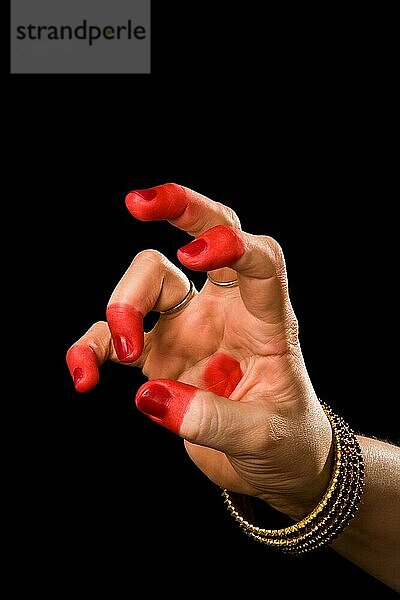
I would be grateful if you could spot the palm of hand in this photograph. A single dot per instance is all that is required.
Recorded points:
(216, 344)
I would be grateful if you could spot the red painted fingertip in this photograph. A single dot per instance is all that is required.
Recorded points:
(163, 202)
(77, 375)
(194, 248)
(126, 326)
(148, 195)
(154, 401)
(218, 247)
(83, 367)
(165, 402)
(123, 347)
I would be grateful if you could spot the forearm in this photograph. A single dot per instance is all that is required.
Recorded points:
(372, 540)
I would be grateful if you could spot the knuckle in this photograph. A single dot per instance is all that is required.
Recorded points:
(273, 253)
(276, 250)
(171, 186)
(230, 217)
(94, 344)
(149, 255)
(199, 223)
(100, 338)
(203, 425)
(263, 242)
(204, 422)
(99, 325)
(277, 257)
(172, 189)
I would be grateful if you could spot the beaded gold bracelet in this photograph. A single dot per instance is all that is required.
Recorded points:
(333, 513)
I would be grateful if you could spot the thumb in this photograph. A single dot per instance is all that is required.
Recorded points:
(197, 415)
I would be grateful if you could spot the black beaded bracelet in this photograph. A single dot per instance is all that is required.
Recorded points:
(336, 509)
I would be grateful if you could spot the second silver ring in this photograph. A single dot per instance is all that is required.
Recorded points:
(224, 284)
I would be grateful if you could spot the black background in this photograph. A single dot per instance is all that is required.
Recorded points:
(291, 113)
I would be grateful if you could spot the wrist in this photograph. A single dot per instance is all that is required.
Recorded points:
(335, 509)
(311, 493)
(311, 460)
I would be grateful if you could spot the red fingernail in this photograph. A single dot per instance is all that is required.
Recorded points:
(123, 347)
(221, 246)
(83, 367)
(194, 248)
(77, 375)
(154, 401)
(146, 194)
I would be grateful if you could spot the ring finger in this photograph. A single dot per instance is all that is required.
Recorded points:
(151, 282)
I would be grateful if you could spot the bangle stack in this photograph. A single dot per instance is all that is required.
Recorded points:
(332, 514)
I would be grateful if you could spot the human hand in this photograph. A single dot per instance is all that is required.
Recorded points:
(226, 371)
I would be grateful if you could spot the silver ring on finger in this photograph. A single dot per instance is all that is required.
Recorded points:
(224, 284)
(182, 303)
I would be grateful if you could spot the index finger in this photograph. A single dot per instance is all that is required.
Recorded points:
(182, 207)
(221, 248)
